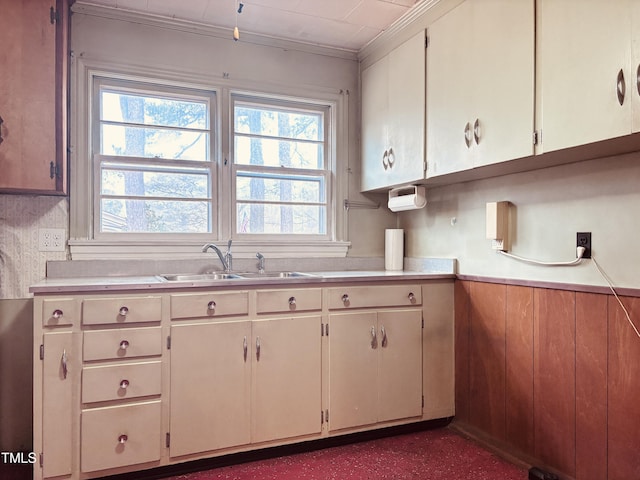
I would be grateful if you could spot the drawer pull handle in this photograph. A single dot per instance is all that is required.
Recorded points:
(211, 306)
(123, 312)
(383, 332)
(124, 344)
(124, 384)
(258, 349)
(345, 299)
(292, 301)
(411, 297)
(63, 362)
(57, 313)
(374, 338)
(123, 439)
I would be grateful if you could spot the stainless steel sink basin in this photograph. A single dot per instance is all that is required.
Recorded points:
(276, 275)
(199, 277)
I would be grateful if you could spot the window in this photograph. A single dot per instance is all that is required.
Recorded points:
(154, 169)
(174, 165)
(280, 166)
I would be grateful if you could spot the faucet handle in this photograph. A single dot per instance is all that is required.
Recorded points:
(260, 258)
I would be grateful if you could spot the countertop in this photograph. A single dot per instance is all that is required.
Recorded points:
(157, 282)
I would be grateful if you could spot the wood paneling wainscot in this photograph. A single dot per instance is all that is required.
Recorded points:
(550, 375)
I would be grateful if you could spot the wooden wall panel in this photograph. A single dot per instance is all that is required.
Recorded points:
(461, 305)
(624, 391)
(487, 351)
(591, 386)
(554, 378)
(519, 368)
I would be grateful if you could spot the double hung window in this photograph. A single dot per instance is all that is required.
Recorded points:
(153, 167)
(280, 168)
(157, 172)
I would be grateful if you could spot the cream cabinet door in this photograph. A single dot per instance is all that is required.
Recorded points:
(286, 388)
(375, 367)
(480, 85)
(449, 98)
(61, 375)
(353, 370)
(583, 46)
(393, 117)
(399, 364)
(210, 386)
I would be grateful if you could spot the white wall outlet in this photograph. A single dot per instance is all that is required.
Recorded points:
(51, 239)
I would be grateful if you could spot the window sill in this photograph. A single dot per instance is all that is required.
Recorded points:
(104, 250)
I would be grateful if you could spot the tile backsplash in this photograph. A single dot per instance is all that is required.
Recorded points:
(21, 263)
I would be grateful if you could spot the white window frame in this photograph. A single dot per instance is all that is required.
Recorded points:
(210, 165)
(302, 105)
(82, 240)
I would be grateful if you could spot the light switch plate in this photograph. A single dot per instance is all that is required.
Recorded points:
(51, 239)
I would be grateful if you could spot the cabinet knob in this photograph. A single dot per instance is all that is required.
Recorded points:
(123, 438)
(124, 344)
(292, 301)
(476, 131)
(638, 79)
(411, 297)
(383, 332)
(620, 87)
(345, 299)
(392, 158)
(385, 159)
(124, 384)
(57, 313)
(467, 135)
(374, 337)
(211, 306)
(63, 364)
(123, 312)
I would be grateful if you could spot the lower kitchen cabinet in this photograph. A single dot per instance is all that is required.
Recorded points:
(128, 381)
(210, 386)
(240, 382)
(375, 367)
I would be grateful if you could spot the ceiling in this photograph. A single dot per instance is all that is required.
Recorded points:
(343, 24)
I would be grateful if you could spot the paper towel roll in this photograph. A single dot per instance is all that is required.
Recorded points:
(394, 249)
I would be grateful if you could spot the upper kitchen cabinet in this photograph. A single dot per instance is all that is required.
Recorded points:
(33, 96)
(393, 123)
(588, 71)
(480, 85)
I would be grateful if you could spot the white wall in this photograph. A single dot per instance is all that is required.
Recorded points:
(549, 206)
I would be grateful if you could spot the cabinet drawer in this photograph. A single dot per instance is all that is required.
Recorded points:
(60, 311)
(378, 296)
(119, 382)
(190, 305)
(121, 310)
(118, 436)
(289, 300)
(122, 343)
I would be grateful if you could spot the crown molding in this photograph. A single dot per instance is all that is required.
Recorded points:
(114, 13)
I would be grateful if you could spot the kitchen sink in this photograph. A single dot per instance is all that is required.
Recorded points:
(275, 275)
(199, 277)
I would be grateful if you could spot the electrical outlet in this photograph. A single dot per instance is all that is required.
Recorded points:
(51, 240)
(583, 239)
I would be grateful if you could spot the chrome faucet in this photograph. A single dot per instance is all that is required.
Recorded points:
(226, 259)
(260, 258)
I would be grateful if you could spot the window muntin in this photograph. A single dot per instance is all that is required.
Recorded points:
(153, 168)
(281, 174)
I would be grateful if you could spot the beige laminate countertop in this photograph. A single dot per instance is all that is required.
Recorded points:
(156, 282)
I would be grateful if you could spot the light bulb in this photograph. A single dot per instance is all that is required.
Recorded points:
(236, 34)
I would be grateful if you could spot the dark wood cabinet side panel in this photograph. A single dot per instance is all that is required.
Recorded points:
(554, 378)
(487, 353)
(519, 368)
(623, 391)
(591, 386)
(461, 306)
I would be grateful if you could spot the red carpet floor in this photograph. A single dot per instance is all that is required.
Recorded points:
(438, 454)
